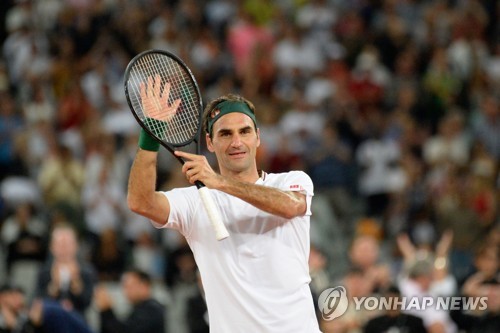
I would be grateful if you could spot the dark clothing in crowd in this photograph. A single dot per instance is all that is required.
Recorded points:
(400, 323)
(486, 322)
(196, 314)
(55, 319)
(58, 320)
(80, 302)
(145, 317)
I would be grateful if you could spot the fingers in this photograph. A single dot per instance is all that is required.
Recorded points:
(157, 86)
(155, 100)
(192, 171)
(186, 155)
(166, 91)
(176, 104)
(195, 167)
(143, 93)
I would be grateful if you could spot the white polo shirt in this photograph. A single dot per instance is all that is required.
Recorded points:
(257, 279)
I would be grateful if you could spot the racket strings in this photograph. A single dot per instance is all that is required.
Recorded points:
(182, 127)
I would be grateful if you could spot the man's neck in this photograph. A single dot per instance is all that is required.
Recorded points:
(247, 177)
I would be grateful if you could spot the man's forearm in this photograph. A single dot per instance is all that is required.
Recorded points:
(269, 199)
(142, 179)
(142, 197)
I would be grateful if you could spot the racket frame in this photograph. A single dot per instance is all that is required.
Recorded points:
(211, 209)
(169, 146)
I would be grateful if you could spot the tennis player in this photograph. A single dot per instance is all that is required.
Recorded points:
(257, 279)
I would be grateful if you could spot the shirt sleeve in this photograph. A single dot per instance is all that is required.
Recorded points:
(299, 181)
(184, 202)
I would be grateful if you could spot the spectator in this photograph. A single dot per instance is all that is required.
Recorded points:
(196, 311)
(10, 124)
(364, 254)
(450, 144)
(483, 282)
(454, 212)
(24, 235)
(443, 282)
(486, 126)
(380, 173)
(50, 316)
(12, 307)
(109, 256)
(147, 314)
(102, 201)
(65, 277)
(61, 179)
(352, 321)
(317, 269)
(16, 316)
(417, 284)
(484, 269)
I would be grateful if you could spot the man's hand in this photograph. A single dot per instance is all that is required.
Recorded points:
(36, 312)
(102, 299)
(155, 101)
(196, 167)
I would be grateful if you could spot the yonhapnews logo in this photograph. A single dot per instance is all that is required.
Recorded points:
(333, 303)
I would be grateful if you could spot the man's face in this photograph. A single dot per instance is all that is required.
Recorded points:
(129, 284)
(234, 142)
(64, 245)
(14, 300)
(133, 288)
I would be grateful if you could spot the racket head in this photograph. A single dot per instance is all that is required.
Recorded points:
(185, 126)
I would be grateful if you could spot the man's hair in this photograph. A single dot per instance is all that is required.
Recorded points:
(64, 226)
(141, 275)
(392, 290)
(211, 106)
(7, 287)
(484, 248)
(420, 267)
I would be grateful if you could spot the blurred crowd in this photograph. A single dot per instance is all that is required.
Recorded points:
(391, 106)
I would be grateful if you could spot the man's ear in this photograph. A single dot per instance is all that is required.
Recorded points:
(258, 137)
(210, 146)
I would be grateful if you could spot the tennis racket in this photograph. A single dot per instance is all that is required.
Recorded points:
(174, 115)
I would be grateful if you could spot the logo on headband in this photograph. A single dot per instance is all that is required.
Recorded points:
(214, 113)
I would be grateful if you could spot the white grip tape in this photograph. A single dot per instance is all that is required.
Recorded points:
(213, 214)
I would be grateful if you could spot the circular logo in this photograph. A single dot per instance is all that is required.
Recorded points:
(333, 302)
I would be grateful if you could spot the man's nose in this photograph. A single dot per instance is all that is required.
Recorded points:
(236, 140)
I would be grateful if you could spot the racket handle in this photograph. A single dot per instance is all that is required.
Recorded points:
(213, 213)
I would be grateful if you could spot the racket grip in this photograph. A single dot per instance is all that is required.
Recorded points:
(213, 214)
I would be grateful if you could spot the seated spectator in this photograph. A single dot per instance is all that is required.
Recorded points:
(364, 254)
(109, 257)
(196, 311)
(443, 282)
(147, 314)
(50, 316)
(352, 320)
(24, 234)
(485, 264)
(65, 277)
(417, 284)
(485, 282)
(41, 317)
(12, 304)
